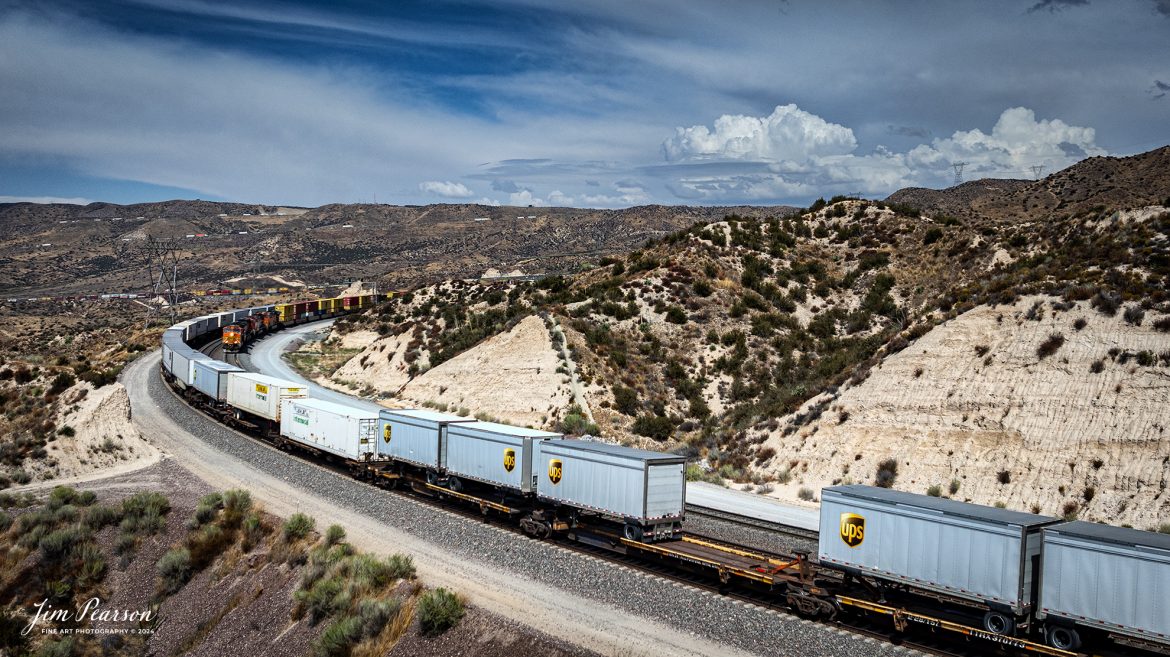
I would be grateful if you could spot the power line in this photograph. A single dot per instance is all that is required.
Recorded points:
(1037, 169)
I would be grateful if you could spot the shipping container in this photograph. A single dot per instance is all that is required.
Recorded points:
(341, 430)
(210, 377)
(261, 395)
(415, 436)
(1113, 578)
(979, 553)
(639, 486)
(497, 454)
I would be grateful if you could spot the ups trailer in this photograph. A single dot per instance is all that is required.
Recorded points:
(977, 557)
(416, 436)
(261, 395)
(338, 429)
(492, 453)
(642, 490)
(1103, 579)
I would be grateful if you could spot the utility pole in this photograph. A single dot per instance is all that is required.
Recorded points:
(958, 171)
(1037, 169)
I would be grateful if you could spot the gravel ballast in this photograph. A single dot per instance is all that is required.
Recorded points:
(693, 612)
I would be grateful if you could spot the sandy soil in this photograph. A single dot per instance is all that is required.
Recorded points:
(105, 441)
(946, 412)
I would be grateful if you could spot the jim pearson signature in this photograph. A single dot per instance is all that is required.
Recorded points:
(91, 611)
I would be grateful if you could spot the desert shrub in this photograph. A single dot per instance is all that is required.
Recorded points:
(61, 383)
(438, 611)
(887, 473)
(298, 526)
(954, 487)
(702, 287)
(85, 498)
(806, 494)
(339, 638)
(932, 235)
(654, 426)
(934, 491)
(1106, 303)
(400, 566)
(253, 532)
(174, 569)
(93, 564)
(5, 521)
(143, 513)
(236, 503)
(57, 544)
(1088, 494)
(1097, 367)
(320, 600)
(1163, 324)
(625, 400)
(66, 647)
(1069, 511)
(676, 315)
(1079, 323)
(1004, 477)
(1134, 315)
(374, 614)
(1050, 346)
(67, 431)
(96, 517)
(334, 535)
(1164, 528)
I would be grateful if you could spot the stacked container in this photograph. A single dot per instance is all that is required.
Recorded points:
(211, 376)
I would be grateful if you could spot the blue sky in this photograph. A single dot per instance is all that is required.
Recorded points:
(585, 103)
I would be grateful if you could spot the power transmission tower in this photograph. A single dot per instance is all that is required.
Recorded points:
(161, 257)
(1037, 169)
(958, 171)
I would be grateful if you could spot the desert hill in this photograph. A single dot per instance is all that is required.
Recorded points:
(63, 250)
(784, 352)
(1093, 185)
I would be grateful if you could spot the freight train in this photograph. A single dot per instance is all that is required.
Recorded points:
(1016, 580)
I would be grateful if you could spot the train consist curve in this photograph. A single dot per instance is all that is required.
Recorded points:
(1011, 580)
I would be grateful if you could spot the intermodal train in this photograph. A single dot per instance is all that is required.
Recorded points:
(1019, 581)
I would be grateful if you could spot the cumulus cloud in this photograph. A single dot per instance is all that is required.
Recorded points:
(1017, 141)
(787, 133)
(446, 188)
(524, 197)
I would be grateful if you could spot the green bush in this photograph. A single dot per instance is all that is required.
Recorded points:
(932, 235)
(334, 535)
(95, 518)
(438, 611)
(298, 526)
(339, 638)
(934, 491)
(93, 564)
(5, 521)
(321, 599)
(401, 566)
(887, 473)
(66, 647)
(625, 400)
(253, 532)
(676, 315)
(374, 614)
(654, 426)
(143, 513)
(175, 569)
(57, 544)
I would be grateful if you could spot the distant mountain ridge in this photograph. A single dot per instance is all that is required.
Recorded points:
(1093, 184)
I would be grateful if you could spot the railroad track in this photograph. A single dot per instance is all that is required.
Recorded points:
(439, 499)
(746, 521)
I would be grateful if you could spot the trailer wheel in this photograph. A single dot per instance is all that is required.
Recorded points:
(1064, 638)
(454, 484)
(632, 532)
(999, 623)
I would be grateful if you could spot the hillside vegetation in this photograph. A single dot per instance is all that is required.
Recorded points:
(736, 341)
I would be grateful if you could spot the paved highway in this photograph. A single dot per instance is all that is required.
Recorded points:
(266, 357)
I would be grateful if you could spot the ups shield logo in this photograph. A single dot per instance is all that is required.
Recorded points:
(386, 432)
(554, 471)
(509, 459)
(852, 529)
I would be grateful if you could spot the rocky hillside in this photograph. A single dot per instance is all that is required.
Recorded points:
(750, 343)
(1092, 186)
(61, 250)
